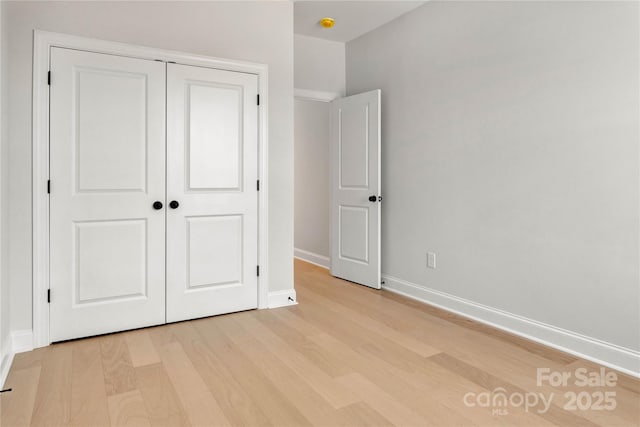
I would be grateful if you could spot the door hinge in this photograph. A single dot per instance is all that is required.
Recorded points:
(257, 270)
(49, 296)
(48, 186)
(258, 185)
(49, 78)
(258, 99)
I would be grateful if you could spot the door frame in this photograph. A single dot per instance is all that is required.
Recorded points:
(43, 41)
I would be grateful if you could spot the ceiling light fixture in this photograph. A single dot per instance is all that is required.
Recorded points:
(327, 22)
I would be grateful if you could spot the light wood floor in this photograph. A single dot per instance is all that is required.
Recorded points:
(346, 355)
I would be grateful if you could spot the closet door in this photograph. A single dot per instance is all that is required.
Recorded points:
(212, 219)
(107, 168)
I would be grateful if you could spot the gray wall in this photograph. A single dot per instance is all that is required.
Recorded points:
(319, 66)
(235, 30)
(511, 149)
(311, 177)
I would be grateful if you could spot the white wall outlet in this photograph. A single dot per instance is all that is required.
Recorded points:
(431, 260)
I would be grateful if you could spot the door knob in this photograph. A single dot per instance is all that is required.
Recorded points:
(174, 204)
(372, 198)
(157, 205)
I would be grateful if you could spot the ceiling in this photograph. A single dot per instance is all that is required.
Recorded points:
(353, 18)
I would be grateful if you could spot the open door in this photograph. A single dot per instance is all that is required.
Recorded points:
(355, 188)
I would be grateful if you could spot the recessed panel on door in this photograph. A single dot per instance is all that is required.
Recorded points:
(214, 251)
(107, 168)
(108, 157)
(110, 261)
(214, 136)
(212, 146)
(354, 233)
(354, 146)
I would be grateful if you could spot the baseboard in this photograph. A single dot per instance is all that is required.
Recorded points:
(6, 359)
(282, 298)
(22, 341)
(310, 257)
(604, 353)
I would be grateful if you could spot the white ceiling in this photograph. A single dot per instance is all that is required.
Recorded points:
(353, 18)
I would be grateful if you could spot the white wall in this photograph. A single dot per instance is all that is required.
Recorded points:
(4, 285)
(235, 30)
(319, 64)
(319, 67)
(510, 148)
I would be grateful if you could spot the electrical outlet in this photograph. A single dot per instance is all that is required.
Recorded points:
(431, 260)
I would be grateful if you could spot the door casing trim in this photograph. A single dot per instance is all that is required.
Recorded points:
(43, 41)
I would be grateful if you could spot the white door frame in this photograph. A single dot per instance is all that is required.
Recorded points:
(43, 41)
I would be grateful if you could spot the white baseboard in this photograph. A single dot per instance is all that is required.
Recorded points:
(604, 353)
(6, 359)
(22, 341)
(282, 298)
(319, 260)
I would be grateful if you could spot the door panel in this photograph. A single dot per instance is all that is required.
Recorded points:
(110, 158)
(110, 259)
(212, 148)
(107, 167)
(354, 233)
(214, 137)
(354, 146)
(214, 251)
(355, 177)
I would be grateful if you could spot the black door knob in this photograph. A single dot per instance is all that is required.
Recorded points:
(157, 205)
(174, 204)
(372, 198)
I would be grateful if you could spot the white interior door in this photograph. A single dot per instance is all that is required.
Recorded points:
(355, 188)
(107, 168)
(212, 152)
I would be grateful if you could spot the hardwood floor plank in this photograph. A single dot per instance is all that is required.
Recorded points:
(200, 406)
(359, 414)
(308, 348)
(237, 404)
(161, 335)
(159, 396)
(119, 375)
(30, 359)
(437, 404)
(141, 349)
(88, 392)
(53, 399)
(360, 338)
(127, 409)
(17, 405)
(372, 323)
(320, 381)
(274, 404)
(314, 407)
(376, 397)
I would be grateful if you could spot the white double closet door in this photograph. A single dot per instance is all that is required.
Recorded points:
(153, 202)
